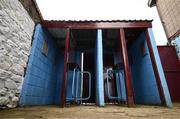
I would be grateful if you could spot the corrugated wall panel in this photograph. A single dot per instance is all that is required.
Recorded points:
(171, 66)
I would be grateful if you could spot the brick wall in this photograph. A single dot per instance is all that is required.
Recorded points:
(169, 11)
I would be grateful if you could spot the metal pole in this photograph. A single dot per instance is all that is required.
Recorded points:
(82, 65)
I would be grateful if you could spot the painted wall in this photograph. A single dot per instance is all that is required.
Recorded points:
(59, 75)
(120, 78)
(144, 83)
(40, 83)
(171, 67)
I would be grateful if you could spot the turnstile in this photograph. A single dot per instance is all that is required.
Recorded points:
(120, 84)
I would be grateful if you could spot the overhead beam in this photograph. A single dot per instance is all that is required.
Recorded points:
(97, 25)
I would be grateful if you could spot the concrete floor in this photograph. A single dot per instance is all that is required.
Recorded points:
(90, 112)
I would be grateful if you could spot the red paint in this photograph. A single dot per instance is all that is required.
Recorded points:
(155, 69)
(64, 82)
(171, 66)
(128, 79)
(97, 25)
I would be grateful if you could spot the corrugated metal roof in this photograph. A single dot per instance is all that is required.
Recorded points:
(94, 24)
(96, 21)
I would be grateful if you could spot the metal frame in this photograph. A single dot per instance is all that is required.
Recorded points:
(75, 97)
(109, 95)
(108, 25)
(98, 25)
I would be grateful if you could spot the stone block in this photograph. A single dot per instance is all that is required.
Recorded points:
(4, 101)
(16, 78)
(3, 92)
(17, 69)
(10, 84)
(4, 74)
(2, 83)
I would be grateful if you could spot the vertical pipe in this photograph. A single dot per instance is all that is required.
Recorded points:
(64, 82)
(128, 78)
(158, 70)
(99, 70)
(82, 66)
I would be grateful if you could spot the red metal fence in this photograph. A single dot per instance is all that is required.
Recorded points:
(171, 66)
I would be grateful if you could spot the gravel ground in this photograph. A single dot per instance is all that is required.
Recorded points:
(90, 112)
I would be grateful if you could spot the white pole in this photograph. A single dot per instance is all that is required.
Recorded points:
(82, 65)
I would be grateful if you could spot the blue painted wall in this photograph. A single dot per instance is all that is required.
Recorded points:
(120, 79)
(39, 87)
(59, 75)
(144, 83)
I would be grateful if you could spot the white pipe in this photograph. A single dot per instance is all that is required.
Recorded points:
(82, 66)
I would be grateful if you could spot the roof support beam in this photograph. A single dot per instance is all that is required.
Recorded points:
(97, 25)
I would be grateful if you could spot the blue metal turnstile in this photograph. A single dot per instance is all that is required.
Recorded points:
(120, 84)
(76, 94)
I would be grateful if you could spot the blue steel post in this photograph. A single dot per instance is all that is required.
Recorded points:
(165, 89)
(99, 70)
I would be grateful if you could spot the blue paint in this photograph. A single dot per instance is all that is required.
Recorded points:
(39, 87)
(75, 57)
(120, 79)
(176, 42)
(59, 76)
(99, 69)
(160, 70)
(120, 84)
(144, 83)
(69, 84)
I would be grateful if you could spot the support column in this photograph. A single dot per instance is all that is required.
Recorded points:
(64, 82)
(158, 70)
(99, 70)
(128, 77)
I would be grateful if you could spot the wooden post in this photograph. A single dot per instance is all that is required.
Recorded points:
(64, 82)
(128, 78)
(155, 69)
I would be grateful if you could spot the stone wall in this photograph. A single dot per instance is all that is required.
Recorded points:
(30, 7)
(16, 30)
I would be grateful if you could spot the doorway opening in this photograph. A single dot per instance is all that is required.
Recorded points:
(81, 67)
(113, 68)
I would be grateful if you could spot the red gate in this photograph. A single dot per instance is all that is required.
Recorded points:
(171, 66)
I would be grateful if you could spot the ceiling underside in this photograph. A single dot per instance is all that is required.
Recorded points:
(84, 39)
